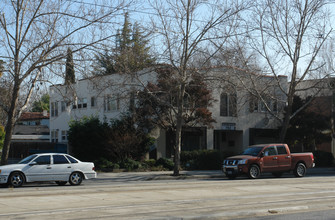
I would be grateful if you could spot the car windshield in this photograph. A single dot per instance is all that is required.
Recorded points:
(253, 151)
(27, 159)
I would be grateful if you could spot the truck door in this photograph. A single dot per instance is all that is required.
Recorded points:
(270, 159)
(284, 158)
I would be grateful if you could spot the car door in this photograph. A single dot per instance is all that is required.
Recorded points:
(270, 159)
(39, 169)
(61, 168)
(284, 159)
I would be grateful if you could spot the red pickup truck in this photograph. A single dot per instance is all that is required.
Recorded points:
(267, 158)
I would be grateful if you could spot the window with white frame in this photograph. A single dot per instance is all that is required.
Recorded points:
(82, 103)
(64, 136)
(54, 136)
(253, 103)
(111, 103)
(63, 106)
(54, 109)
(93, 101)
(228, 104)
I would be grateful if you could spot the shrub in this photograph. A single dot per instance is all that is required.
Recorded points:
(165, 163)
(130, 164)
(202, 159)
(105, 165)
(323, 159)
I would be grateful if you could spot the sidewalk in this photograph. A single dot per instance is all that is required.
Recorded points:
(198, 174)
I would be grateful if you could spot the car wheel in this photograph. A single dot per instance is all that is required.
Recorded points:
(61, 183)
(254, 172)
(16, 179)
(300, 170)
(76, 178)
(277, 174)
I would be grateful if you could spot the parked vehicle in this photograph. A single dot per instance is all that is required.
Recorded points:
(268, 158)
(61, 168)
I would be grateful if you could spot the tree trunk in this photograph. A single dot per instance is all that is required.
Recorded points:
(179, 126)
(10, 125)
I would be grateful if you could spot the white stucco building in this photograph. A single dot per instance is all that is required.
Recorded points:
(241, 117)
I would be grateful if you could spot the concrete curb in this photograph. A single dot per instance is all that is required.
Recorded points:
(207, 174)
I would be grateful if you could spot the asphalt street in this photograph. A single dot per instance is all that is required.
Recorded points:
(158, 195)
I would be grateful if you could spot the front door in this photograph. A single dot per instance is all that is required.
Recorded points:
(39, 169)
(270, 159)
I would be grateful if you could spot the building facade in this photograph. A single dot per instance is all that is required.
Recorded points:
(243, 116)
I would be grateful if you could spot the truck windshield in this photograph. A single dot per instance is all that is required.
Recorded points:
(253, 151)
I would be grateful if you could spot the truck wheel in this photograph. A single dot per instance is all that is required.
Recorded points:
(300, 170)
(254, 172)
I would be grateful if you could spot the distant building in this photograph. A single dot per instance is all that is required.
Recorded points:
(241, 117)
(31, 134)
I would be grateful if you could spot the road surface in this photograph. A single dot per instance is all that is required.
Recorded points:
(170, 199)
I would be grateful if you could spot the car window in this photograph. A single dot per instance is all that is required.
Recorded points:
(281, 150)
(71, 159)
(270, 151)
(59, 159)
(45, 159)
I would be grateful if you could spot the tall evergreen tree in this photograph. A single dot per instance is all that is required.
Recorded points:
(130, 54)
(69, 70)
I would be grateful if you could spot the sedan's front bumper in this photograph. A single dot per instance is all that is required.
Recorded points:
(3, 179)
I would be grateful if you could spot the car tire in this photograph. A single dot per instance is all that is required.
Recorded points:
(277, 174)
(61, 183)
(16, 179)
(300, 170)
(75, 178)
(254, 172)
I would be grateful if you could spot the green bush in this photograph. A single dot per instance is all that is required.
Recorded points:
(130, 164)
(165, 163)
(149, 163)
(202, 159)
(105, 165)
(323, 159)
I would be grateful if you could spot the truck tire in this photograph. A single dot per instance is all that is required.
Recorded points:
(300, 170)
(254, 172)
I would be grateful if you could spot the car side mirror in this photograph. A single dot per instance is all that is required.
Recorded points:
(33, 163)
(262, 154)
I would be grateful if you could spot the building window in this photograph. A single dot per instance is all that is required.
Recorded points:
(54, 109)
(111, 103)
(63, 106)
(64, 136)
(93, 101)
(265, 104)
(54, 136)
(82, 103)
(228, 104)
(253, 104)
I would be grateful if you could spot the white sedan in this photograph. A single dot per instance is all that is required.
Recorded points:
(61, 168)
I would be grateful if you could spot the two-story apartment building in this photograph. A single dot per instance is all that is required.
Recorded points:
(241, 108)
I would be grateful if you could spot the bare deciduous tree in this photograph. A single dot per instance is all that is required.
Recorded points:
(35, 37)
(288, 35)
(186, 27)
